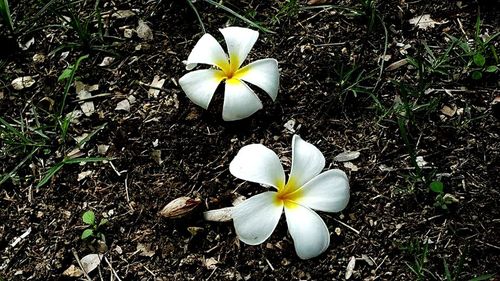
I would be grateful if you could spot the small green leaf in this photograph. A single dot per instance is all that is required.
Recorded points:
(437, 186)
(65, 74)
(483, 277)
(476, 75)
(87, 233)
(88, 218)
(479, 59)
(102, 222)
(491, 68)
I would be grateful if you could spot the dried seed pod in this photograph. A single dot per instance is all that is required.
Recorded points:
(179, 207)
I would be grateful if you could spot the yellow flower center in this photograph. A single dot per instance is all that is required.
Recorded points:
(230, 71)
(289, 194)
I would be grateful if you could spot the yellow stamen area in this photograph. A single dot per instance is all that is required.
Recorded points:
(288, 195)
(229, 71)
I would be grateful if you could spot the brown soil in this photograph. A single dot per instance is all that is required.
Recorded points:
(391, 215)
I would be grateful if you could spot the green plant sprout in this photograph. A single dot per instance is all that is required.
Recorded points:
(443, 199)
(94, 229)
(420, 252)
(481, 57)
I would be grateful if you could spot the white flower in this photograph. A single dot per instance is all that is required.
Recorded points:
(306, 189)
(239, 100)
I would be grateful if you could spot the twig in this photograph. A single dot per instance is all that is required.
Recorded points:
(126, 193)
(488, 244)
(213, 271)
(380, 264)
(269, 263)
(111, 268)
(80, 265)
(348, 226)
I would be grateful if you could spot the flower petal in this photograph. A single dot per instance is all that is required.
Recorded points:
(207, 51)
(328, 192)
(307, 162)
(239, 101)
(309, 232)
(200, 85)
(257, 163)
(239, 42)
(263, 74)
(256, 218)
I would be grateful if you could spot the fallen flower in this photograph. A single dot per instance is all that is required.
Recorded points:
(306, 190)
(239, 99)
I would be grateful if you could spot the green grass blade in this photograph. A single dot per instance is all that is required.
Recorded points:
(7, 176)
(483, 277)
(70, 81)
(197, 15)
(84, 160)
(5, 13)
(50, 173)
(232, 12)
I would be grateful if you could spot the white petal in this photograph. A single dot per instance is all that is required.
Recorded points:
(207, 51)
(328, 192)
(257, 163)
(307, 162)
(263, 74)
(239, 101)
(200, 85)
(239, 42)
(309, 232)
(256, 218)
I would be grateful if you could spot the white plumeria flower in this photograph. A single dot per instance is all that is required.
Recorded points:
(306, 189)
(239, 100)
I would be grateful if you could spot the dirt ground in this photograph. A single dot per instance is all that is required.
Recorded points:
(165, 147)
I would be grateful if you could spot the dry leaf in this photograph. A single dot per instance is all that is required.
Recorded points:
(397, 64)
(156, 85)
(211, 263)
(318, 2)
(107, 61)
(90, 262)
(38, 58)
(121, 14)
(123, 105)
(28, 44)
(73, 271)
(145, 250)
(102, 149)
(289, 125)
(449, 111)
(156, 156)
(420, 161)
(144, 31)
(424, 22)
(347, 156)
(350, 268)
(83, 175)
(86, 106)
(351, 166)
(22, 82)
(179, 207)
(128, 33)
